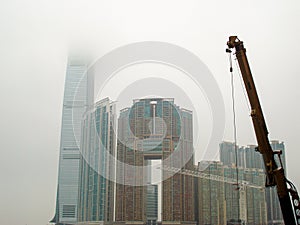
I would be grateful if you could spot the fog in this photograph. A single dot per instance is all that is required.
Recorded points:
(37, 37)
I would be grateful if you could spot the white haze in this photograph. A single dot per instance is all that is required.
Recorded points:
(37, 36)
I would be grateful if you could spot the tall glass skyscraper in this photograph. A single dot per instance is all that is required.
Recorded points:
(96, 186)
(74, 105)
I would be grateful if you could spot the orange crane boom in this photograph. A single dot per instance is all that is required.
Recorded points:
(274, 173)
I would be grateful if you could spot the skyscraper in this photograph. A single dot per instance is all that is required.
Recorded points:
(96, 187)
(154, 128)
(211, 195)
(255, 208)
(74, 105)
(245, 203)
(152, 204)
(249, 159)
(221, 201)
(245, 157)
(227, 153)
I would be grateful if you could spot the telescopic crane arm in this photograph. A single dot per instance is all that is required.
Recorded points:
(274, 173)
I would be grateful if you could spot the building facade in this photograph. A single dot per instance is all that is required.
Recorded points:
(211, 205)
(255, 209)
(74, 105)
(249, 158)
(152, 204)
(154, 129)
(222, 201)
(96, 186)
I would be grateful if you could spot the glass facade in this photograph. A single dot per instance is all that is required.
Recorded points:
(221, 203)
(74, 106)
(96, 187)
(249, 159)
(211, 195)
(152, 205)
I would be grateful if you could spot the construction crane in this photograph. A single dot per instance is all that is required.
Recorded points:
(286, 191)
(203, 175)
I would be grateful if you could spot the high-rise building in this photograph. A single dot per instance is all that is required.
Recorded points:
(75, 102)
(222, 201)
(154, 128)
(243, 202)
(232, 195)
(152, 204)
(243, 156)
(253, 208)
(96, 186)
(211, 195)
(227, 153)
(152, 197)
(249, 158)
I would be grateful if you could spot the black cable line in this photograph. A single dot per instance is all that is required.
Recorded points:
(234, 133)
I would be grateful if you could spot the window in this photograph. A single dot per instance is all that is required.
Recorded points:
(69, 211)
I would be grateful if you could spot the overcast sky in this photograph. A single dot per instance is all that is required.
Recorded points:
(37, 36)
